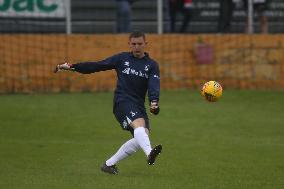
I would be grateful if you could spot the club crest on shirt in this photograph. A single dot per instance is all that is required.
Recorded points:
(146, 68)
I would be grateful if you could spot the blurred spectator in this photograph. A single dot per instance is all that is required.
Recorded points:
(259, 7)
(123, 19)
(184, 7)
(225, 15)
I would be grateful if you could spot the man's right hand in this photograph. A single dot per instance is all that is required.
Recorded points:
(66, 66)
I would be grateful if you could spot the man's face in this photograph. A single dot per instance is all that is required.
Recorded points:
(137, 46)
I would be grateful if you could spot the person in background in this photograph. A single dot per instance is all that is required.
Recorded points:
(123, 20)
(225, 15)
(260, 7)
(184, 7)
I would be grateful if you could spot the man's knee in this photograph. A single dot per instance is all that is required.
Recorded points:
(139, 122)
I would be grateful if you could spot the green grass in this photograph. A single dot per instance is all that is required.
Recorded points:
(60, 141)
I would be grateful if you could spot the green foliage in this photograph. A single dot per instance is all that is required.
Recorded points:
(60, 141)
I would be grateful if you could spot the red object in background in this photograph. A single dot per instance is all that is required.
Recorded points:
(204, 53)
(187, 3)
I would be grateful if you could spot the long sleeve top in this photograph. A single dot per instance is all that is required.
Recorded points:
(135, 76)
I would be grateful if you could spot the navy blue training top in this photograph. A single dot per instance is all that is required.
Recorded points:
(135, 76)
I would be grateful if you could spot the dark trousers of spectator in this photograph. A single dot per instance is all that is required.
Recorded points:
(225, 15)
(175, 8)
(123, 17)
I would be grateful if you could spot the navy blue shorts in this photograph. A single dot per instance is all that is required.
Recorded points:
(126, 112)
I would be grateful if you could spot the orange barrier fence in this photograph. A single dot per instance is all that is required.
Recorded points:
(186, 61)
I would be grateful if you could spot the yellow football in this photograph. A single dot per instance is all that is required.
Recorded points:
(211, 91)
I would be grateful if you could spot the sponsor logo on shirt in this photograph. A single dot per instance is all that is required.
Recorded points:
(139, 73)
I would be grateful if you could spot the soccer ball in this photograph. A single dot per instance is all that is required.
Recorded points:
(211, 91)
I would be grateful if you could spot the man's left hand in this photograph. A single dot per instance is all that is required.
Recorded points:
(154, 107)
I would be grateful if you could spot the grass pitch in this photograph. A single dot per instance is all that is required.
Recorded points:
(60, 141)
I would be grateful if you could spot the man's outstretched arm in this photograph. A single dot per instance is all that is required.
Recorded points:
(89, 67)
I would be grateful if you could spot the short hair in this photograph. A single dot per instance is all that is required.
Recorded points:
(136, 34)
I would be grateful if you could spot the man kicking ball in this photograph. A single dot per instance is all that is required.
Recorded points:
(137, 74)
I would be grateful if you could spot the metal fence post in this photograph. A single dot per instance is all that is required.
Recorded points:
(68, 17)
(250, 17)
(160, 16)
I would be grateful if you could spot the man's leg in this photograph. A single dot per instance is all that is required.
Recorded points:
(127, 149)
(141, 135)
(186, 19)
(263, 24)
(226, 15)
(172, 14)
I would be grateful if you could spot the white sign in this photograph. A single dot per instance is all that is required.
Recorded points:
(32, 8)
